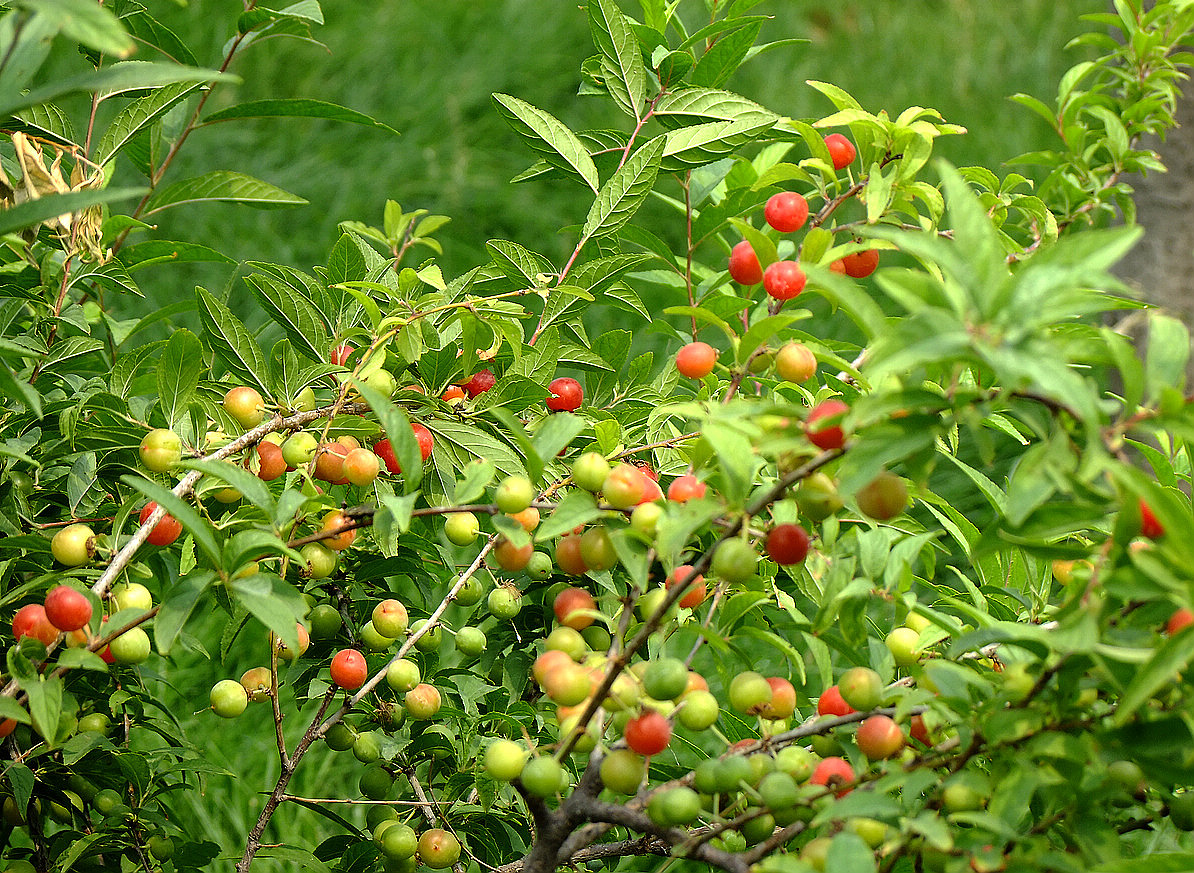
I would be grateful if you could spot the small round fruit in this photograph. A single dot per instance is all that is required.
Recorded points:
(361, 467)
(340, 737)
(686, 487)
(246, 405)
(166, 531)
(783, 699)
(695, 595)
(568, 684)
(429, 641)
(784, 280)
(453, 395)
(504, 602)
(31, 621)
(339, 534)
(744, 265)
(540, 566)
(373, 639)
(795, 362)
(648, 734)
(674, 807)
(665, 678)
(1180, 619)
(479, 383)
(228, 698)
(470, 641)
(542, 776)
(514, 494)
(462, 528)
(572, 608)
(597, 548)
(340, 354)
(390, 618)
(879, 738)
(321, 561)
(257, 682)
(624, 487)
(73, 545)
(831, 702)
(438, 848)
(299, 448)
(366, 748)
(96, 723)
(827, 436)
(399, 841)
(1150, 527)
(131, 595)
(901, 642)
(271, 461)
(423, 701)
(160, 847)
(349, 670)
(568, 641)
(589, 471)
(699, 710)
(1181, 810)
(796, 761)
(779, 790)
(68, 608)
(788, 544)
(696, 360)
(786, 211)
(131, 647)
(735, 561)
(861, 264)
(861, 688)
(841, 150)
(504, 760)
(285, 653)
(645, 518)
(512, 558)
(403, 675)
(623, 771)
(884, 497)
(833, 772)
(471, 592)
(566, 395)
(750, 692)
(161, 449)
(326, 621)
(382, 381)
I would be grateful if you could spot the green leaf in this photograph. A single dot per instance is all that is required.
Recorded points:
(177, 606)
(190, 519)
(276, 603)
(162, 251)
(557, 432)
(548, 135)
(696, 105)
(295, 107)
(86, 22)
(475, 478)
(33, 212)
(1172, 656)
(223, 186)
(298, 317)
(1168, 352)
(623, 194)
(701, 144)
(249, 485)
(397, 427)
(619, 46)
(19, 390)
(578, 507)
(45, 703)
(116, 79)
(138, 115)
(178, 374)
(720, 61)
(231, 341)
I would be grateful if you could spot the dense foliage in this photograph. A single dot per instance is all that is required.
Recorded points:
(868, 570)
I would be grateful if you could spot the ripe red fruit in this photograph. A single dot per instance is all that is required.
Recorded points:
(649, 733)
(67, 608)
(696, 360)
(861, 264)
(744, 265)
(1180, 619)
(787, 544)
(1149, 526)
(568, 556)
(783, 280)
(832, 703)
(329, 462)
(349, 669)
(879, 738)
(695, 595)
(335, 521)
(841, 150)
(452, 394)
(566, 394)
(480, 382)
(786, 211)
(783, 699)
(920, 732)
(341, 353)
(625, 486)
(273, 464)
(832, 772)
(31, 621)
(385, 449)
(569, 605)
(685, 488)
(166, 531)
(827, 436)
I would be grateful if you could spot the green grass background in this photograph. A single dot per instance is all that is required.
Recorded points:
(428, 69)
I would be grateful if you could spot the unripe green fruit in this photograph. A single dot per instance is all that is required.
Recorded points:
(95, 722)
(674, 807)
(1181, 811)
(504, 602)
(382, 381)
(299, 448)
(131, 595)
(504, 760)
(430, 641)
(403, 675)
(438, 848)
(732, 773)
(735, 561)
(699, 710)
(884, 497)
(797, 761)
(749, 692)
(73, 545)
(817, 497)
(366, 748)
(597, 548)
(379, 814)
(650, 602)
(960, 797)
(645, 519)
(320, 561)
(228, 698)
(132, 647)
(665, 678)
(705, 776)
(623, 771)
(399, 841)
(568, 641)
(326, 621)
(861, 688)
(872, 831)
(340, 737)
(758, 828)
(105, 801)
(161, 449)
(540, 566)
(462, 528)
(470, 641)
(470, 592)
(376, 782)
(901, 642)
(779, 791)
(161, 847)
(597, 637)
(589, 471)
(542, 776)
(305, 401)
(514, 494)
(373, 640)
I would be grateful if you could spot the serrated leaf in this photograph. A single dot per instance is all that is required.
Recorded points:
(623, 194)
(726, 54)
(619, 46)
(223, 186)
(295, 107)
(138, 115)
(697, 105)
(191, 521)
(273, 601)
(300, 320)
(700, 144)
(231, 340)
(548, 135)
(178, 374)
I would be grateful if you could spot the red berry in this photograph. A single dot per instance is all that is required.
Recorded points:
(841, 150)
(385, 449)
(920, 732)
(67, 608)
(272, 464)
(696, 360)
(827, 436)
(480, 382)
(566, 394)
(744, 265)
(573, 608)
(1149, 526)
(31, 621)
(349, 669)
(861, 264)
(452, 394)
(783, 280)
(166, 531)
(1180, 619)
(787, 544)
(786, 211)
(685, 488)
(649, 733)
(831, 702)
(879, 738)
(341, 353)
(832, 772)
(695, 595)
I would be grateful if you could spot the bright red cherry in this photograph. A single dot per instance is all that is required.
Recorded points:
(349, 669)
(480, 382)
(744, 265)
(831, 702)
(832, 772)
(827, 436)
(841, 150)
(385, 449)
(783, 280)
(566, 394)
(787, 544)
(861, 264)
(1180, 619)
(31, 621)
(341, 353)
(166, 531)
(696, 360)
(685, 488)
(649, 733)
(67, 608)
(786, 211)
(1149, 526)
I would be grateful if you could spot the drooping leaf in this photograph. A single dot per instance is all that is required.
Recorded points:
(548, 135)
(295, 107)
(223, 186)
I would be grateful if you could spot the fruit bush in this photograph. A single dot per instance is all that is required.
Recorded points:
(883, 565)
